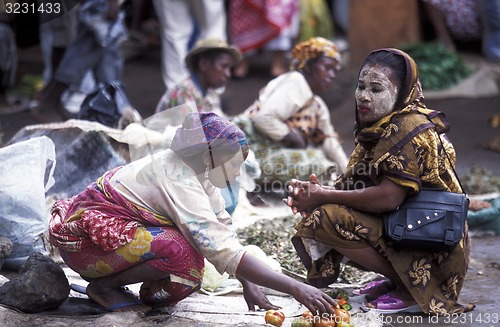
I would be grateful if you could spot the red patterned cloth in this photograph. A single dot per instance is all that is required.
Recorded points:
(99, 233)
(99, 215)
(253, 23)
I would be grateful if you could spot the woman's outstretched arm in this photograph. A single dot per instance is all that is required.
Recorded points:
(255, 271)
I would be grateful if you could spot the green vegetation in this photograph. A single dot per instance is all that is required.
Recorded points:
(273, 236)
(480, 181)
(439, 68)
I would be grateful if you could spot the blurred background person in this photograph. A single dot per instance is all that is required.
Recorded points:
(267, 25)
(8, 59)
(182, 23)
(96, 48)
(289, 125)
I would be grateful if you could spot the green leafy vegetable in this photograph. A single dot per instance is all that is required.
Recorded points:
(439, 68)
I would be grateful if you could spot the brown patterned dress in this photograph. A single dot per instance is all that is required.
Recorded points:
(405, 148)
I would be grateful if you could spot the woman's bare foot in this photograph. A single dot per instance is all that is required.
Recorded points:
(116, 300)
(152, 292)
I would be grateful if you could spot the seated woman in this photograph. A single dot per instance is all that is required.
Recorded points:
(398, 151)
(156, 219)
(289, 124)
(209, 63)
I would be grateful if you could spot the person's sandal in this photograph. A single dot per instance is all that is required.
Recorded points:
(376, 288)
(389, 304)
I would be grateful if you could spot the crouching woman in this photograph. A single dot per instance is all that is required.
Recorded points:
(154, 220)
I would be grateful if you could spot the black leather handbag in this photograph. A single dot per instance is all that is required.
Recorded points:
(433, 219)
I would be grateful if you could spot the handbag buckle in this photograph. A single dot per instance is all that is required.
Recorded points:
(398, 233)
(449, 236)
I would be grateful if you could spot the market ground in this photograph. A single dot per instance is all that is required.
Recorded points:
(471, 132)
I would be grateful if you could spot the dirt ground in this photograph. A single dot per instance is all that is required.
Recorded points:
(471, 131)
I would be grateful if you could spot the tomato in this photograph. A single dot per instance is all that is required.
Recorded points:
(342, 301)
(342, 314)
(303, 322)
(274, 317)
(324, 322)
(307, 314)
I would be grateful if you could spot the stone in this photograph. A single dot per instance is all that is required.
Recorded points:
(5, 249)
(41, 285)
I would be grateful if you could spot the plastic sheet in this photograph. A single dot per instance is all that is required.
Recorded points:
(26, 175)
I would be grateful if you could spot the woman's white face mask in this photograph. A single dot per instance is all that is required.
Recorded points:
(375, 94)
(226, 172)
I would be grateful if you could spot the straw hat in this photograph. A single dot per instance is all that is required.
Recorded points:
(212, 44)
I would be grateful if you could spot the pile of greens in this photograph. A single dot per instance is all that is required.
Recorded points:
(273, 236)
(439, 68)
(480, 181)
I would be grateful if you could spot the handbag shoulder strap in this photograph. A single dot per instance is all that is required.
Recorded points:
(446, 153)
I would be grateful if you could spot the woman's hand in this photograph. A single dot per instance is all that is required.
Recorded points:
(304, 196)
(294, 139)
(314, 299)
(254, 296)
(252, 269)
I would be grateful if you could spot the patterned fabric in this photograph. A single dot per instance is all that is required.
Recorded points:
(99, 233)
(201, 131)
(405, 148)
(256, 22)
(162, 248)
(311, 49)
(183, 93)
(278, 164)
(315, 20)
(98, 216)
(306, 121)
(462, 17)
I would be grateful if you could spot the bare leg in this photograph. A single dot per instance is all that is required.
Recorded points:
(439, 24)
(108, 292)
(372, 260)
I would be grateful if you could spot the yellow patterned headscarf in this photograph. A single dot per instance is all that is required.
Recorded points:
(311, 49)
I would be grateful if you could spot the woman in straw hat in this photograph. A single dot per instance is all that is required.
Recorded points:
(209, 64)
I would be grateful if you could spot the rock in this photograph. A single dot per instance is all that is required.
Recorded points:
(41, 285)
(5, 249)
